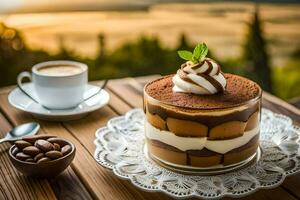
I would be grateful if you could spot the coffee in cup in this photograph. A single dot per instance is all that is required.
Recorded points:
(58, 84)
(59, 70)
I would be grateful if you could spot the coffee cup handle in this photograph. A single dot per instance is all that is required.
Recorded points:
(20, 78)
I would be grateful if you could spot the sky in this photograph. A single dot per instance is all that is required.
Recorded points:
(24, 6)
(225, 24)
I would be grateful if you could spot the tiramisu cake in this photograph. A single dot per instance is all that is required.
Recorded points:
(200, 116)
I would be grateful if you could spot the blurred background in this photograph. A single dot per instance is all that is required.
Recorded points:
(120, 38)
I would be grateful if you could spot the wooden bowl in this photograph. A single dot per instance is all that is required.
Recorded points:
(43, 170)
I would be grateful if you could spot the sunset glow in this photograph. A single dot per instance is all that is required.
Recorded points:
(10, 5)
(80, 29)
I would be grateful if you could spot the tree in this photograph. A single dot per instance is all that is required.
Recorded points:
(101, 54)
(184, 43)
(12, 54)
(255, 55)
(64, 52)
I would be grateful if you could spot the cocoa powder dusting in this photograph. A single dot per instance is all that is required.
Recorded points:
(238, 91)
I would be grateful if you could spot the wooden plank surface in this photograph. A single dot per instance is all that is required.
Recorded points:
(66, 184)
(86, 179)
(99, 181)
(12, 184)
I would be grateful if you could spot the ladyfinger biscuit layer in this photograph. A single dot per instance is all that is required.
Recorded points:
(186, 128)
(204, 157)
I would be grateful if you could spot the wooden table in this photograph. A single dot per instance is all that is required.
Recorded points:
(85, 179)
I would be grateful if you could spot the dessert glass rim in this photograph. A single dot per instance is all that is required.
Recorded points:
(253, 100)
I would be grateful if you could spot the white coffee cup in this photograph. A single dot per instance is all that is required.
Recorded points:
(58, 84)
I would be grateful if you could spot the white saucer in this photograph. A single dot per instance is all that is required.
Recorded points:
(22, 102)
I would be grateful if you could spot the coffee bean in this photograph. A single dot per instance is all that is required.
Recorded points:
(38, 156)
(22, 156)
(31, 150)
(21, 144)
(43, 160)
(40, 149)
(56, 146)
(66, 149)
(59, 141)
(54, 154)
(14, 151)
(29, 160)
(44, 145)
(34, 138)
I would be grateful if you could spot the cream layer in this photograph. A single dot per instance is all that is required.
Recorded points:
(198, 143)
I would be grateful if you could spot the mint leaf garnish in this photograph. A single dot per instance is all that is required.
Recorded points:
(198, 54)
(203, 51)
(197, 51)
(186, 55)
(194, 59)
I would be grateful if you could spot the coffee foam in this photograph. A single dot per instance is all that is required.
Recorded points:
(59, 70)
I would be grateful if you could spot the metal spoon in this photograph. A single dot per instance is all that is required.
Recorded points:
(21, 131)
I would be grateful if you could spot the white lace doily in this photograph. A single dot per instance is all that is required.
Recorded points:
(120, 148)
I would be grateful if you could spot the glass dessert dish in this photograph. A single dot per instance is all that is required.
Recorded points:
(206, 122)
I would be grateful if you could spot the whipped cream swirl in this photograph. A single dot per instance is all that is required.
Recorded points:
(200, 78)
